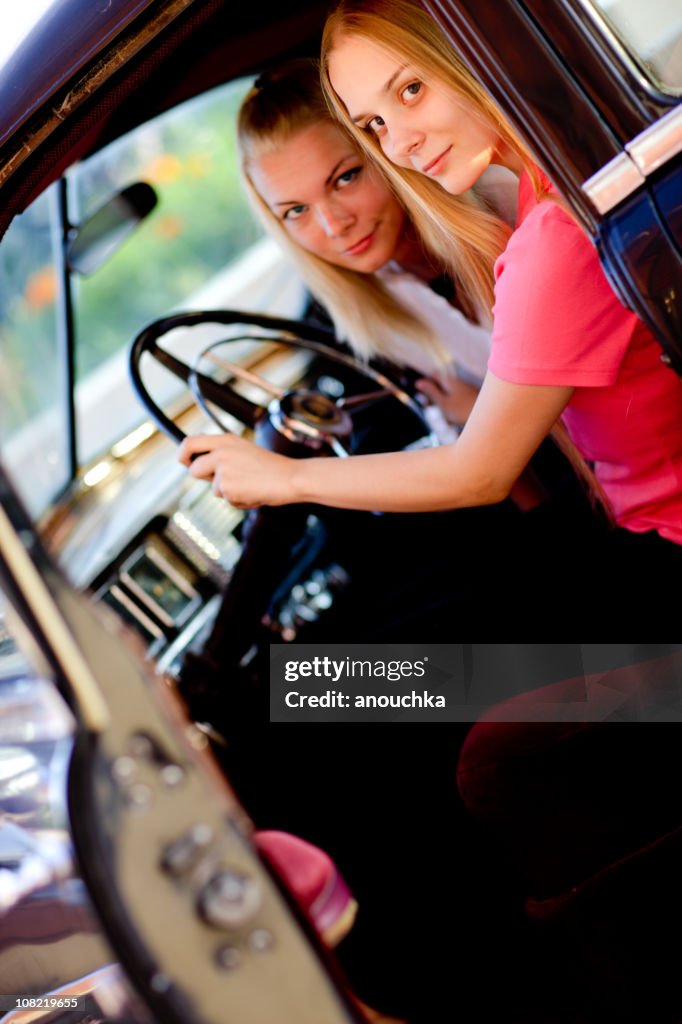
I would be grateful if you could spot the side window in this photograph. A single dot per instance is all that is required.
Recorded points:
(653, 30)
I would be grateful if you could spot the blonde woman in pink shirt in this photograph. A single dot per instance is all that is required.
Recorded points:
(562, 344)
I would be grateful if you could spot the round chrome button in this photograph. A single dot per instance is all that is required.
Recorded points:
(229, 899)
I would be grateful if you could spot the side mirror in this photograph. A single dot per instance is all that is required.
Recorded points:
(94, 241)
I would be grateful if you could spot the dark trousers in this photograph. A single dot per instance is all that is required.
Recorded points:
(589, 813)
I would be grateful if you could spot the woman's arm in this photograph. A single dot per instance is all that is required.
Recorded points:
(506, 426)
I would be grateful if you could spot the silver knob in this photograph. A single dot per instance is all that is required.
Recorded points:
(230, 899)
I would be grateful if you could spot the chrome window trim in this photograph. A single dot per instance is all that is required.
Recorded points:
(658, 143)
(617, 180)
(618, 42)
(642, 156)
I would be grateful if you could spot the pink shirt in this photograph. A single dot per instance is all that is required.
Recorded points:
(558, 321)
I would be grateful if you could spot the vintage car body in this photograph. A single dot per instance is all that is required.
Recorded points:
(113, 565)
(607, 131)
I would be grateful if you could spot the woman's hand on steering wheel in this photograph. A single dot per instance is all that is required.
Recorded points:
(241, 472)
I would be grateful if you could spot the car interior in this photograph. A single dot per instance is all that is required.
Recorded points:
(142, 303)
(134, 531)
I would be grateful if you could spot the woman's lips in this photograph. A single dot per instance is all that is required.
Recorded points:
(361, 246)
(436, 165)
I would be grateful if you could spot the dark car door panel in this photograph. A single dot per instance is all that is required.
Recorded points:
(602, 129)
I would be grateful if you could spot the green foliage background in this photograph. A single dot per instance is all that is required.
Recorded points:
(200, 225)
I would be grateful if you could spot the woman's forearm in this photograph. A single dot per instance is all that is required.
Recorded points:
(507, 424)
(418, 481)
(505, 428)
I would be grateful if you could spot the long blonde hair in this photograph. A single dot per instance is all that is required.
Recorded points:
(282, 103)
(465, 236)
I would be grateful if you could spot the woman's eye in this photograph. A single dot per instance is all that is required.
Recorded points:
(375, 125)
(347, 177)
(293, 213)
(410, 91)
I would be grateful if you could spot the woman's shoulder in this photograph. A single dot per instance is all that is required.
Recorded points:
(555, 310)
(542, 214)
(548, 242)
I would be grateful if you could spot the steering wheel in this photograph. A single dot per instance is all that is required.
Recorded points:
(293, 418)
(295, 422)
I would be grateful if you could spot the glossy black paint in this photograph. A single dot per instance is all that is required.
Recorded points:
(645, 270)
(533, 85)
(614, 79)
(668, 198)
(576, 98)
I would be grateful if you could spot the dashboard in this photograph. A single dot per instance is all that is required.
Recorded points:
(158, 548)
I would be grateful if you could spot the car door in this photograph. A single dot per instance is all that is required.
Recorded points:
(595, 89)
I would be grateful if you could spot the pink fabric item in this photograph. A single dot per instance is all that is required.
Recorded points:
(312, 878)
(558, 321)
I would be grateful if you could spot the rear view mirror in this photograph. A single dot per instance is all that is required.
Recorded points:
(94, 241)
